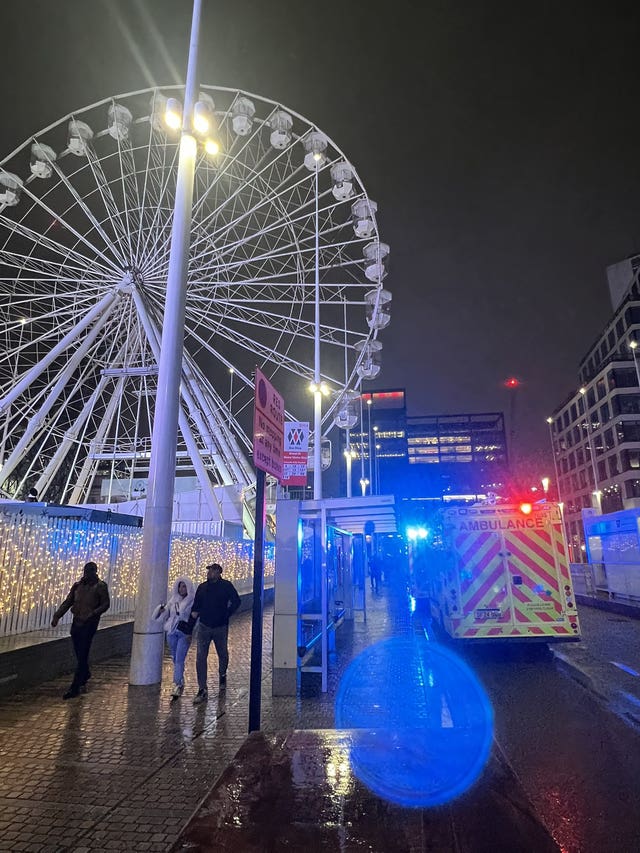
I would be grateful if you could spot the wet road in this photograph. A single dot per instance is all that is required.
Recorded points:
(574, 746)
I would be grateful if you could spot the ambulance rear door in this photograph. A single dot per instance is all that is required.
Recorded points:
(484, 607)
(541, 590)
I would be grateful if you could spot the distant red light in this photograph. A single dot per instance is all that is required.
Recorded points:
(512, 382)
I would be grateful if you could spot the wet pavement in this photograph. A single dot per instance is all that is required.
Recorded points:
(121, 768)
(607, 661)
(295, 791)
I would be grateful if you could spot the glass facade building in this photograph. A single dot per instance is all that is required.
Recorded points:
(428, 457)
(595, 432)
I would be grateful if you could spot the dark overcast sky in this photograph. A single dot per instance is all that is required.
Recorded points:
(499, 139)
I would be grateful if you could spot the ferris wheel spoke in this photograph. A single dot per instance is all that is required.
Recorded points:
(96, 316)
(70, 431)
(130, 195)
(151, 189)
(293, 326)
(45, 338)
(276, 279)
(161, 199)
(41, 241)
(294, 207)
(234, 155)
(255, 347)
(196, 406)
(79, 200)
(70, 438)
(55, 391)
(112, 209)
(299, 217)
(278, 193)
(84, 480)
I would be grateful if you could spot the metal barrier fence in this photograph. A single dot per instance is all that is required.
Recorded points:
(583, 576)
(42, 556)
(616, 579)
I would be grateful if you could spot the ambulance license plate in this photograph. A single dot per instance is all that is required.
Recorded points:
(488, 613)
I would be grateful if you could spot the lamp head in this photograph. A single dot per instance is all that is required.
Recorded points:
(173, 114)
(201, 118)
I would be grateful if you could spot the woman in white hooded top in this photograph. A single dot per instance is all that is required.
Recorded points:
(178, 625)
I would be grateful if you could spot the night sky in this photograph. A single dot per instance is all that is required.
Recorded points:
(499, 139)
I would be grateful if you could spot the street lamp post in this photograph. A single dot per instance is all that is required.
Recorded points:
(148, 638)
(317, 394)
(363, 485)
(374, 450)
(555, 461)
(634, 347)
(555, 469)
(348, 459)
(597, 493)
(369, 454)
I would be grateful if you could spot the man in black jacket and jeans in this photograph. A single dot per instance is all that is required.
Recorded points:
(88, 599)
(216, 600)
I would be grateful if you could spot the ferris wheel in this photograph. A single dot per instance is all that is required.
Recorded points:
(86, 211)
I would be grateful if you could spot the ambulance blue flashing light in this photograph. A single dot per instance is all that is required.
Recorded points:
(415, 533)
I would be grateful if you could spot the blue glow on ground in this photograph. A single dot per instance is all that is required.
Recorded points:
(626, 668)
(425, 722)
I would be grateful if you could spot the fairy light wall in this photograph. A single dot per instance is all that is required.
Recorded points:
(42, 556)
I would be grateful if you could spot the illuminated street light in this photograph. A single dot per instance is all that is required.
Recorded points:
(201, 118)
(173, 113)
(634, 346)
(148, 645)
(596, 493)
(555, 468)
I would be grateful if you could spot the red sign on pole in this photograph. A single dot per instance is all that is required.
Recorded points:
(268, 427)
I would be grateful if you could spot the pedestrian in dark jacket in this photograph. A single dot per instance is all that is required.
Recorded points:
(88, 599)
(374, 572)
(216, 600)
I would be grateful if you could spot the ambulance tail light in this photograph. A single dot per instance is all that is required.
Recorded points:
(526, 508)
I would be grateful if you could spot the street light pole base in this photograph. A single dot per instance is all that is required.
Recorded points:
(146, 658)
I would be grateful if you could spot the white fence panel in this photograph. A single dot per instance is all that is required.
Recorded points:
(41, 556)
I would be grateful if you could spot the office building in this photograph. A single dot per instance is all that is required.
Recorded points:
(596, 431)
(426, 459)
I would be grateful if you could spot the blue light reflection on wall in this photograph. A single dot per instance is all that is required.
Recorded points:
(424, 721)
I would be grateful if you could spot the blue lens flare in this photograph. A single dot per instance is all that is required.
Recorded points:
(424, 724)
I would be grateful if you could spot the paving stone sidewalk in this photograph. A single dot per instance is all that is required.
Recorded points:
(121, 768)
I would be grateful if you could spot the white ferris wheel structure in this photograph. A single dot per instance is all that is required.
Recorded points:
(86, 210)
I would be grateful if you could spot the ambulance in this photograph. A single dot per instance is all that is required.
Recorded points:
(501, 572)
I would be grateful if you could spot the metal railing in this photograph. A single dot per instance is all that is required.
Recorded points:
(615, 579)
